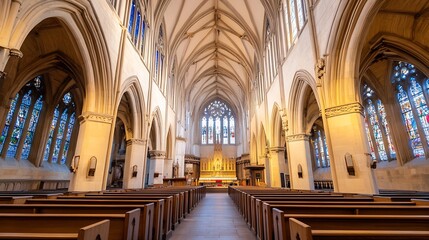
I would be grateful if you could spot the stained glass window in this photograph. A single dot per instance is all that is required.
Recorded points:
(61, 130)
(31, 128)
(19, 125)
(295, 17)
(51, 133)
(232, 130)
(132, 13)
(225, 130)
(217, 124)
(204, 130)
(382, 113)
(377, 127)
(210, 130)
(68, 137)
(8, 121)
(220, 121)
(21, 120)
(374, 122)
(137, 25)
(321, 155)
(408, 81)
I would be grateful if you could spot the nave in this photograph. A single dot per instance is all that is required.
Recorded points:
(215, 217)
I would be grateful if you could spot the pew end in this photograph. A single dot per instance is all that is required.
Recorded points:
(132, 224)
(279, 225)
(299, 230)
(96, 231)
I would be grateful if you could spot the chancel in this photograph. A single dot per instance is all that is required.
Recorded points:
(179, 102)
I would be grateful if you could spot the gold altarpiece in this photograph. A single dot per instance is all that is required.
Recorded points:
(218, 170)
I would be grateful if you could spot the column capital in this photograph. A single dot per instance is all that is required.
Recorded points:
(157, 154)
(277, 149)
(349, 108)
(95, 117)
(298, 137)
(136, 141)
(15, 53)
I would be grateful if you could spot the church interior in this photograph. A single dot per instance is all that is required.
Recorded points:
(242, 96)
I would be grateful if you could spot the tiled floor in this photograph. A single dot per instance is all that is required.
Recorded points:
(215, 217)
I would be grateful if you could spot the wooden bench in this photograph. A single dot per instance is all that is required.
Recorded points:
(14, 199)
(122, 226)
(158, 209)
(172, 202)
(96, 231)
(264, 220)
(349, 222)
(146, 212)
(302, 231)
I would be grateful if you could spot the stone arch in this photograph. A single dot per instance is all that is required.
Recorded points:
(87, 38)
(302, 83)
(345, 46)
(133, 90)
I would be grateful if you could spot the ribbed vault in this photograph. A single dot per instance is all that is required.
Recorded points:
(214, 44)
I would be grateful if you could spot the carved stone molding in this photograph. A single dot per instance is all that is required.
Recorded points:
(344, 109)
(157, 154)
(95, 117)
(298, 137)
(276, 149)
(181, 139)
(283, 116)
(15, 53)
(320, 68)
(136, 141)
(190, 157)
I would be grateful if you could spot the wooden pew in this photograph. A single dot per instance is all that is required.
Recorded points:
(146, 212)
(158, 208)
(349, 222)
(122, 226)
(302, 231)
(96, 231)
(14, 199)
(264, 220)
(172, 202)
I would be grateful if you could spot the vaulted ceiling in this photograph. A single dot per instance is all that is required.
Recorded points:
(213, 45)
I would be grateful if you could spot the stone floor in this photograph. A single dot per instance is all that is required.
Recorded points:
(215, 217)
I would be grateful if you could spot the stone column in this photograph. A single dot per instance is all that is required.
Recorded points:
(300, 167)
(277, 165)
(92, 143)
(347, 136)
(135, 160)
(157, 159)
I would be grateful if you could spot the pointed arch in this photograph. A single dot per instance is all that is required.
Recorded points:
(301, 83)
(79, 20)
(132, 89)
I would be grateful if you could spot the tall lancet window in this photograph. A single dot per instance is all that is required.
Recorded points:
(137, 25)
(377, 127)
(217, 123)
(321, 154)
(61, 129)
(412, 94)
(22, 119)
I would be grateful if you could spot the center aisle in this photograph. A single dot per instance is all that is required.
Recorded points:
(215, 217)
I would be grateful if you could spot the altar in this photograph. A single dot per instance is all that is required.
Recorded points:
(217, 171)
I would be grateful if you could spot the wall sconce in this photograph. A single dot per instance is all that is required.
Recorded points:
(74, 164)
(299, 171)
(92, 166)
(372, 163)
(134, 172)
(349, 164)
